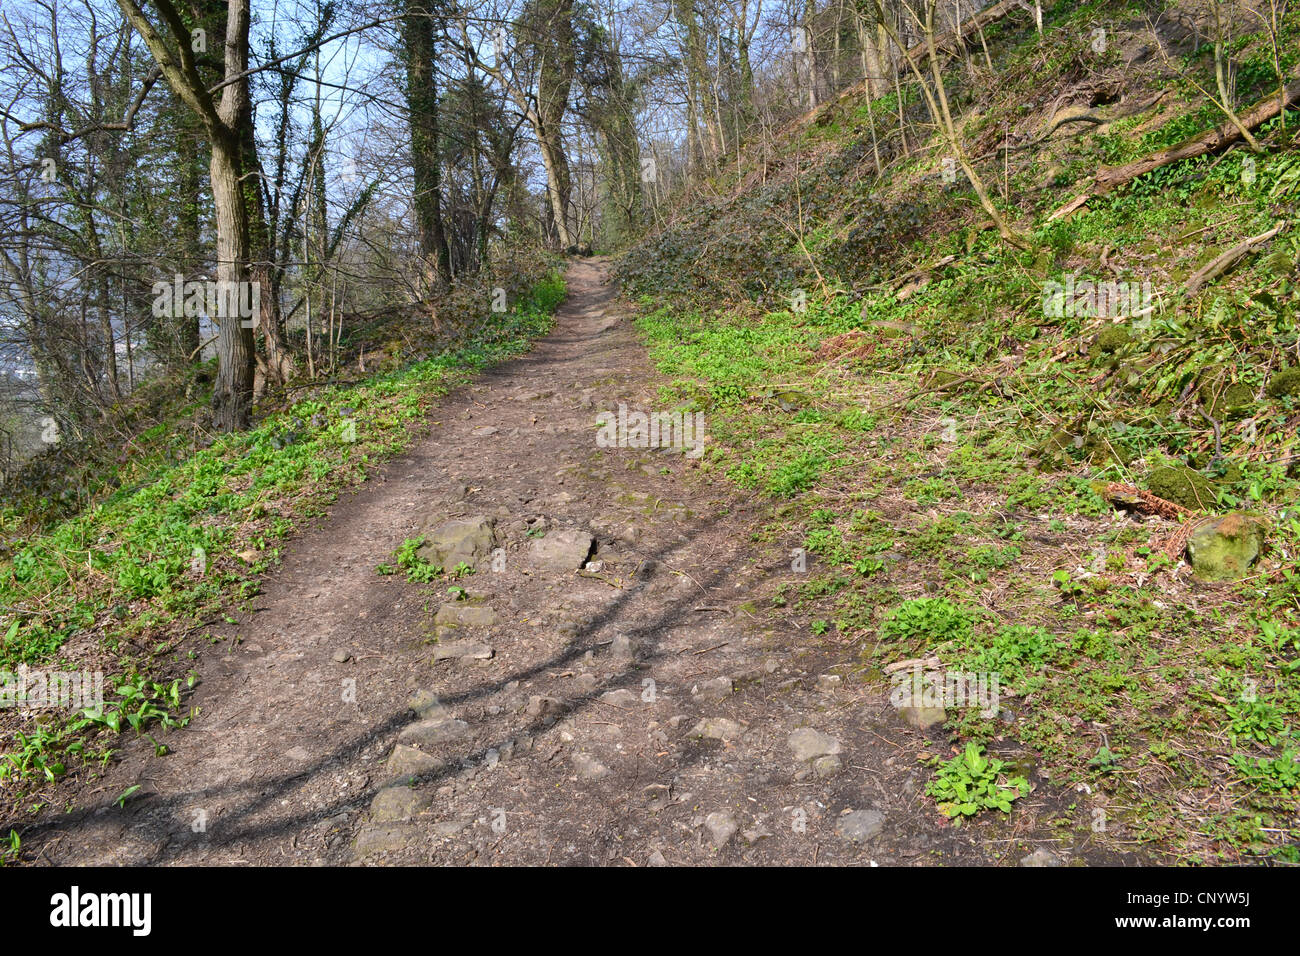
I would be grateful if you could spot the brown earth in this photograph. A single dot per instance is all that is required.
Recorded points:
(576, 741)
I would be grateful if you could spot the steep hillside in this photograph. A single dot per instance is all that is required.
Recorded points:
(1016, 461)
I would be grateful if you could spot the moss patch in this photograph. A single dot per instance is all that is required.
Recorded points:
(1183, 486)
(1285, 383)
(1112, 338)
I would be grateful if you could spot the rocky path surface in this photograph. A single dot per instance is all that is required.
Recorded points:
(610, 686)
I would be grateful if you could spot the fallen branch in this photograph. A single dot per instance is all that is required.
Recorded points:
(1227, 260)
(1090, 116)
(960, 380)
(1142, 501)
(1069, 208)
(929, 663)
(1211, 141)
(946, 44)
(951, 42)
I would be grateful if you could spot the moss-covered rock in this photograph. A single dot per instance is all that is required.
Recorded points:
(1239, 398)
(1110, 452)
(1225, 548)
(1098, 446)
(1043, 262)
(1285, 383)
(1232, 402)
(1112, 338)
(1232, 473)
(1183, 486)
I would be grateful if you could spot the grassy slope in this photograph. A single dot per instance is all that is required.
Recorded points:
(942, 451)
(121, 586)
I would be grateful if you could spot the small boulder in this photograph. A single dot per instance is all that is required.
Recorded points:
(380, 838)
(1041, 857)
(407, 761)
(722, 827)
(1224, 548)
(425, 704)
(828, 766)
(462, 650)
(588, 767)
(809, 744)
(437, 730)
(564, 550)
(858, 826)
(922, 718)
(717, 728)
(398, 804)
(713, 690)
(465, 615)
(623, 648)
(542, 706)
(459, 541)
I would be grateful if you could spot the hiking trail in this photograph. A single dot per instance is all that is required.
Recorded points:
(650, 709)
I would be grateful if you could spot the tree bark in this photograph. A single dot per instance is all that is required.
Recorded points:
(232, 397)
(422, 105)
(554, 80)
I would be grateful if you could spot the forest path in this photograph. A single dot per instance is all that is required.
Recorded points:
(642, 711)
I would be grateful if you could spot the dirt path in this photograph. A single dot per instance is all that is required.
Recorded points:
(639, 712)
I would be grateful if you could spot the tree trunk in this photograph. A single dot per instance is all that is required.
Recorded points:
(232, 397)
(554, 80)
(809, 12)
(182, 333)
(224, 124)
(422, 105)
(557, 187)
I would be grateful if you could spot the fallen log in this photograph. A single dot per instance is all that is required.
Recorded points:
(1211, 141)
(946, 43)
(1226, 133)
(1140, 500)
(1223, 263)
(951, 42)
